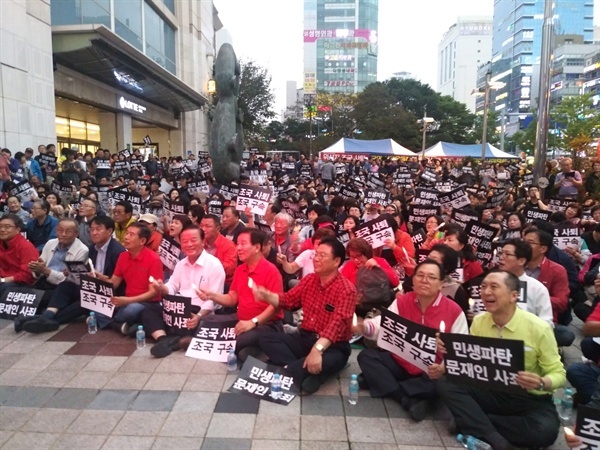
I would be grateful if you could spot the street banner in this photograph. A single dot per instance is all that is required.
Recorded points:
(19, 300)
(95, 295)
(213, 341)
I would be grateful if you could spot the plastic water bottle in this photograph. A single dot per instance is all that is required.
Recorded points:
(276, 387)
(566, 407)
(231, 361)
(353, 390)
(92, 323)
(472, 443)
(140, 337)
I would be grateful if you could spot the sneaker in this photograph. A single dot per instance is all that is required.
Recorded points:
(362, 382)
(165, 346)
(40, 325)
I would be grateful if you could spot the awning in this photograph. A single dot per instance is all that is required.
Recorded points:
(450, 150)
(383, 147)
(95, 51)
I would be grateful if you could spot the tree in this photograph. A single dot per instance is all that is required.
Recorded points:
(476, 134)
(337, 113)
(580, 123)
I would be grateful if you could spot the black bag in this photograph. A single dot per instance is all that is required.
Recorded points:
(374, 290)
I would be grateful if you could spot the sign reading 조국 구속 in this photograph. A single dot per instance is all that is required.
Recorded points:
(213, 341)
(96, 295)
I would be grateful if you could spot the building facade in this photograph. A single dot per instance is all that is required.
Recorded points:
(517, 42)
(591, 77)
(121, 73)
(464, 47)
(568, 69)
(340, 46)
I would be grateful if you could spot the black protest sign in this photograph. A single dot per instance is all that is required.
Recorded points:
(467, 170)
(426, 197)
(587, 427)
(343, 237)
(532, 214)
(229, 191)
(78, 267)
(172, 207)
(275, 166)
(121, 168)
(473, 288)
(95, 295)
(136, 202)
(459, 273)
(253, 197)
(50, 161)
(64, 191)
(488, 363)
(421, 255)
(480, 239)
(348, 192)
(418, 214)
(255, 380)
(358, 183)
(456, 173)
(403, 179)
(411, 341)
(428, 176)
(169, 252)
(213, 341)
(527, 180)
(19, 300)
(375, 232)
(288, 166)
(418, 237)
(215, 206)
(306, 170)
(462, 217)
(116, 195)
(496, 199)
(377, 197)
(558, 205)
(197, 187)
(522, 300)
(102, 164)
(24, 191)
(203, 166)
(176, 312)
(340, 169)
(136, 164)
(258, 176)
(446, 186)
(567, 234)
(126, 153)
(456, 198)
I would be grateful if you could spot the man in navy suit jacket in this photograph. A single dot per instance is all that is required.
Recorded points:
(65, 304)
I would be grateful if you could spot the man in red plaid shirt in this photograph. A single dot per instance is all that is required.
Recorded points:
(328, 299)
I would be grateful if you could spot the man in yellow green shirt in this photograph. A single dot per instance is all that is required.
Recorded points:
(123, 217)
(505, 420)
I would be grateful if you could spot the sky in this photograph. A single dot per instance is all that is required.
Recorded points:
(270, 33)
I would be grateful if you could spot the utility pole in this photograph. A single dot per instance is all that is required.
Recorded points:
(486, 105)
(424, 124)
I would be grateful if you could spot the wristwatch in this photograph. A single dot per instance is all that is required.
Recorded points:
(320, 348)
(542, 386)
(255, 322)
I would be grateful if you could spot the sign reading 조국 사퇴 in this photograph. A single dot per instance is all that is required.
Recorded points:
(176, 312)
(375, 232)
(96, 294)
(19, 300)
(567, 235)
(409, 340)
(490, 363)
(257, 198)
(255, 380)
(457, 198)
(213, 341)
(169, 252)
(587, 427)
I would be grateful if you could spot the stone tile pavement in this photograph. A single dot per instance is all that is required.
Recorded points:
(71, 390)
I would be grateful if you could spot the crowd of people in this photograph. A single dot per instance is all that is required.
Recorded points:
(303, 279)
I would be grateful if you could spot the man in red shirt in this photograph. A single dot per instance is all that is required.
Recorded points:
(254, 318)
(16, 253)
(321, 348)
(219, 246)
(134, 267)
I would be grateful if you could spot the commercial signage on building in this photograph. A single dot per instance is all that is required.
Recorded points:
(131, 106)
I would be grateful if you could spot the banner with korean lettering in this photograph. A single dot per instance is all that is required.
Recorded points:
(426, 197)
(169, 252)
(403, 179)
(66, 192)
(176, 312)
(377, 197)
(257, 198)
(172, 207)
(349, 192)
(473, 288)
(587, 427)
(418, 214)
(213, 341)
(375, 232)
(409, 340)
(19, 300)
(456, 198)
(24, 191)
(78, 267)
(567, 234)
(532, 214)
(198, 187)
(418, 237)
(488, 363)
(558, 205)
(480, 240)
(95, 295)
(463, 217)
(116, 195)
(255, 380)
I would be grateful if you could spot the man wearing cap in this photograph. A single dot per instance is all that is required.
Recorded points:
(151, 221)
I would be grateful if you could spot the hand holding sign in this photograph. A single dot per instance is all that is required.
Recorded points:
(119, 301)
(528, 380)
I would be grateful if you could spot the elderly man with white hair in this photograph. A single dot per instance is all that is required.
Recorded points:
(286, 241)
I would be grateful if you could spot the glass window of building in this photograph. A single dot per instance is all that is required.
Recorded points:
(80, 12)
(160, 44)
(170, 4)
(128, 21)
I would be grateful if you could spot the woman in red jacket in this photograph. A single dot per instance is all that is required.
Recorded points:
(360, 254)
(457, 239)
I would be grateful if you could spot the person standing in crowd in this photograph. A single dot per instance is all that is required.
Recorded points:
(568, 181)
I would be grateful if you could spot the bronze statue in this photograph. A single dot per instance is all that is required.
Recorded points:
(227, 133)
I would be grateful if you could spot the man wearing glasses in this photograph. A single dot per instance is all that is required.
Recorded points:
(16, 253)
(387, 375)
(42, 226)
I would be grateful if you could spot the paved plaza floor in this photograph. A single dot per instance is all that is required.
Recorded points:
(72, 390)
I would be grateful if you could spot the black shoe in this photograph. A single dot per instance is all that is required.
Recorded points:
(418, 409)
(362, 382)
(130, 330)
(248, 351)
(311, 384)
(165, 346)
(452, 427)
(20, 320)
(41, 325)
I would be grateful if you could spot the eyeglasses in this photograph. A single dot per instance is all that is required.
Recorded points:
(425, 277)
(7, 227)
(320, 255)
(505, 254)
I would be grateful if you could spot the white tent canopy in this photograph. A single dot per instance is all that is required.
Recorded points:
(448, 150)
(380, 147)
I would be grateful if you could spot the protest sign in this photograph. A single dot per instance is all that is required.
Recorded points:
(348, 192)
(19, 300)
(50, 162)
(176, 312)
(65, 192)
(306, 170)
(527, 180)
(489, 363)
(377, 197)
(172, 207)
(587, 427)
(121, 168)
(375, 232)
(203, 166)
(24, 191)
(257, 198)
(340, 169)
(558, 205)
(374, 182)
(198, 187)
(255, 380)
(411, 341)
(213, 341)
(403, 179)
(480, 239)
(456, 198)
(462, 217)
(419, 214)
(459, 274)
(215, 206)
(136, 202)
(428, 176)
(418, 237)
(426, 197)
(169, 252)
(497, 199)
(567, 234)
(102, 164)
(532, 214)
(116, 195)
(343, 237)
(258, 176)
(95, 295)
(289, 166)
(473, 288)
(229, 192)
(78, 267)
(522, 299)
(421, 255)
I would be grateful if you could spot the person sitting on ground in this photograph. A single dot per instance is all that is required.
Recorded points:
(16, 253)
(15, 207)
(506, 420)
(123, 217)
(219, 246)
(360, 254)
(151, 221)
(458, 239)
(387, 375)
(451, 288)
(198, 270)
(321, 348)
(42, 227)
(231, 226)
(255, 319)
